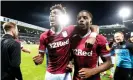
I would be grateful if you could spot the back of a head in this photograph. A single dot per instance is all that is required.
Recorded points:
(8, 26)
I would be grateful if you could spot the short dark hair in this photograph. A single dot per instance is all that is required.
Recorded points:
(58, 6)
(87, 12)
(8, 25)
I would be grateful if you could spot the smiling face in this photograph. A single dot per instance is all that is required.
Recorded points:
(119, 37)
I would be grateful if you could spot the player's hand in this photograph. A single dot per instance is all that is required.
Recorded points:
(89, 42)
(38, 59)
(70, 66)
(86, 73)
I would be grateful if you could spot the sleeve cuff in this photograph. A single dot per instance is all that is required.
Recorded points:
(41, 51)
(106, 55)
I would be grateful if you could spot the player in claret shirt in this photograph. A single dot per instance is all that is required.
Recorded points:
(57, 42)
(86, 59)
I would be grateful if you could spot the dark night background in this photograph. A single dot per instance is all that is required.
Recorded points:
(37, 12)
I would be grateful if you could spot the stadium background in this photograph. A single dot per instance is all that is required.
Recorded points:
(29, 37)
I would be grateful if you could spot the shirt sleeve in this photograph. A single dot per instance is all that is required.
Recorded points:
(42, 45)
(103, 46)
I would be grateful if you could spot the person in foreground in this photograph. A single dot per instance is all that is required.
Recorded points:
(86, 58)
(10, 53)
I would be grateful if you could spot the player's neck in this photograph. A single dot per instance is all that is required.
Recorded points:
(10, 33)
(84, 32)
(57, 29)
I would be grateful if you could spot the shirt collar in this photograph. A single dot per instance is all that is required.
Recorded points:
(8, 36)
(85, 34)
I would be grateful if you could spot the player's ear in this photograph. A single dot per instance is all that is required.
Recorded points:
(91, 22)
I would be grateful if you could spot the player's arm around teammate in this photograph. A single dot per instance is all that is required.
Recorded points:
(91, 40)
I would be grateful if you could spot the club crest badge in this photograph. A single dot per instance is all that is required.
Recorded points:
(64, 34)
